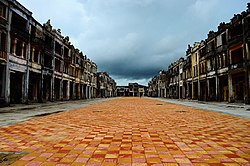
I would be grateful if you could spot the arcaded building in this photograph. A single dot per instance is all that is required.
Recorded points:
(106, 85)
(216, 68)
(37, 63)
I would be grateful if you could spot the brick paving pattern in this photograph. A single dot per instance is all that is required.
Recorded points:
(130, 131)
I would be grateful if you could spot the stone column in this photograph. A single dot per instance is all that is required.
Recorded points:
(188, 91)
(192, 89)
(61, 90)
(52, 93)
(179, 91)
(165, 93)
(7, 74)
(230, 88)
(68, 90)
(23, 51)
(74, 90)
(248, 73)
(41, 87)
(199, 89)
(248, 86)
(82, 94)
(33, 54)
(27, 73)
(217, 89)
(39, 57)
(208, 90)
(14, 46)
(87, 92)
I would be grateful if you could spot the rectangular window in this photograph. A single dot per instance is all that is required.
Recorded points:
(36, 56)
(3, 42)
(58, 48)
(2, 11)
(224, 39)
(237, 55)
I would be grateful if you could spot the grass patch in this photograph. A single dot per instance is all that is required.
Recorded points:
(8, 158)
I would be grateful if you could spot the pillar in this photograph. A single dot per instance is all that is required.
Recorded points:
(74, 91)
(39, 57)
(230, 88)
(61, 90)
(179, 91)
(217, 89)
(248, 86)
(23, 51)
(68, 90)
(41, 88)
(7, 71)
(199, 89)
(165, 93)
(14, 46)
(27, 73)
(52, 93)
(208, 91)
(78, 90)
(192, 90)
(89, 92)
(33, 54)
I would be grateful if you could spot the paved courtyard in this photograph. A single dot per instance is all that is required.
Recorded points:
(130, 131)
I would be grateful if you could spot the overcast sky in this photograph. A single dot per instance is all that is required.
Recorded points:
(133, 39)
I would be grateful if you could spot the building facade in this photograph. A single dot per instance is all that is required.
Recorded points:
(215, 69)
(132, 90)
(106, 85)
(37, 63)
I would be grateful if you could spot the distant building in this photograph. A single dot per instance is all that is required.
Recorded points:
(122, 90)
(133, 89)
(106, 85)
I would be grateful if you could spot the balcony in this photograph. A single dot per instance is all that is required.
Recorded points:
(247, 35)
(20, 32)
(67, 59)
(3, 56)
(3, 22)
(222, 48)
(77, 65)
(48, 51)
(235, 39)
(236, 66)
(37, 40)
(210, 54)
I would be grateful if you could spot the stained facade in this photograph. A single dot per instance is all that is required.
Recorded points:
(106, 85)
(215, 69)
(132, 90)
(37, 63)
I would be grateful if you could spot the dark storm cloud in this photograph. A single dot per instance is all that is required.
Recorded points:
(134, 39)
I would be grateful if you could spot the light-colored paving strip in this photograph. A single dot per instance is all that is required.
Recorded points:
(130, 131)
(237, 109)
(21, 112)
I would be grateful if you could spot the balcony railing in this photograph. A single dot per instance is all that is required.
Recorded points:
(3, 55)
(247, 34)
(3, 22)
(67, 59)
(237, 65)
(221, 48)
(48, 51)
(209, 54)
(37, 40)
(235, 39)
(20, 32)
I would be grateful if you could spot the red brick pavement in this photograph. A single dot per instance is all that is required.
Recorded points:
(130, 131)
